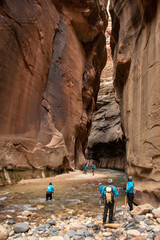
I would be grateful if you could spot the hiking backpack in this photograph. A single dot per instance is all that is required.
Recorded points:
(109, 194)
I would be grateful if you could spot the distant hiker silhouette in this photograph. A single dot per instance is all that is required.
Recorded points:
(93, 168)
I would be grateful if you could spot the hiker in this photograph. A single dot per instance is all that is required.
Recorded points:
(101, 197)
(130, 192)
(109, 192)
(50, 190)
(85, 169)
(93, 168)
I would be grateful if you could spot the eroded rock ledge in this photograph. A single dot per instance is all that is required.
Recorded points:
(52, 55)
(135, 47)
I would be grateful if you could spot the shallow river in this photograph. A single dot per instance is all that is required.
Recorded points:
(80, 195)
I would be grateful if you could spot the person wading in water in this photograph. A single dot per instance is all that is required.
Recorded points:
(85, 169)
(50, 190)
(101, 197)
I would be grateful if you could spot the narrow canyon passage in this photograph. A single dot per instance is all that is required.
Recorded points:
(52, 57)
(79, 83)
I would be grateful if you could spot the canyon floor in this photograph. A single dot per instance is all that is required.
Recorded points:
(74, 213)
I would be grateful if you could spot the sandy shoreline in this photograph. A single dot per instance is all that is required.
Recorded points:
(77, 175)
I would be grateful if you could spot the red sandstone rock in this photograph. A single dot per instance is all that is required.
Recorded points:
(52, 55)
(106, 144)
(141, 209)
(135, 41)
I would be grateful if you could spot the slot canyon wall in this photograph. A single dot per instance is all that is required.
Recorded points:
(51, 57)
(135, 43)
(106, 143)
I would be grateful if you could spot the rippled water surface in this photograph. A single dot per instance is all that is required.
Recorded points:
(79, 195)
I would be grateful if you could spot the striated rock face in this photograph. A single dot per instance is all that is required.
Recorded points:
(51, 57)
(135, 46)
(106, 145)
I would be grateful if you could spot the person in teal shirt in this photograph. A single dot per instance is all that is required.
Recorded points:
(101, 197)
(130, 192)
(85, 169)
(50, 190)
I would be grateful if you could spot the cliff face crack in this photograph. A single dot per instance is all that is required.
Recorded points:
(152, 65)
(56, 32)
(148, 36)
(156, 156)
(150, 143)
(38, 3)
(28, 66)
(46, 105)
(11, 18)
(156, 125)
(19, 147)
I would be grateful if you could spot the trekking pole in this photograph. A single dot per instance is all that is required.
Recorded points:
(114, 212)
(125, 202)
(115, 206)
(125, 199)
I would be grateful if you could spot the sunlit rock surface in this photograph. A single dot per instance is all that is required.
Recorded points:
(51, 57)
(135, 43)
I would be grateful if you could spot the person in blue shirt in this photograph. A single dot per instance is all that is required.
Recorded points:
(130, 192)
(50, 190)
(85, 169)
(109, 192)
(101, 197)
(93, 168)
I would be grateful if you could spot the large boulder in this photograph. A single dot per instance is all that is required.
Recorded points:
(156, 212)
(141, 209)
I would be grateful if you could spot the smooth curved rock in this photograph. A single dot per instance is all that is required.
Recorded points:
(21, 227)
(141, 209)
(52, 55)
(156, 212)
(3, 233)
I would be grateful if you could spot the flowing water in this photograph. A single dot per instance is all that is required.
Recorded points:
(80, 195)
